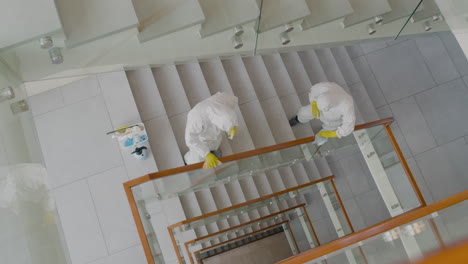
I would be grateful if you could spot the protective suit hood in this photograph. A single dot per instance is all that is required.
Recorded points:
(219, 109)
(205, 124)
(336, 107)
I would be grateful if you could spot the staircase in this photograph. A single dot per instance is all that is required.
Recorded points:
(270, 88)
(81, 22)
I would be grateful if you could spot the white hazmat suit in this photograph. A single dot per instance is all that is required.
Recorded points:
(205, 124)
(336, 109)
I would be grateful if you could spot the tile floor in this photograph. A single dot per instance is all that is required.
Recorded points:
(423, 83)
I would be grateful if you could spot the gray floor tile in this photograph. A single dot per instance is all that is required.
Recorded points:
(427, 194)
(413, 125)
(372, 207)
(445, 168)
(369, 81)
(400, 39)
(400, 71)
(402, 187)
(80, 153)
(325, 230)
(354, 51)
(315, 205)
(363, 102)
(445, 109)
(466, 80)
(341, 181)
(359, 178)
(455, 52)
(370, 46)
(385, 112)
(437, 59)
(354, 214)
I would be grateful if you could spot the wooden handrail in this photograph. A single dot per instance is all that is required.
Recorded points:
(149, 177)
(243, 155)
(263, 198)
(454, 253)
(246, 223)
(405, 166)
(375, 229)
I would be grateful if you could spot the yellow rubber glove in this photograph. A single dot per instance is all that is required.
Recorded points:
(232, 132)
(211, 161)
(327, 134)
(315, 110)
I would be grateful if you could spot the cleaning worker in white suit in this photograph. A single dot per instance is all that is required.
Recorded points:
(205, 124)
(332, 105)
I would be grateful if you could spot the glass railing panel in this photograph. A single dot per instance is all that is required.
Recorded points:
(410, 241)
(300, 226)
(334, 208)
(275, 201)
(382, 162)
(321, 200)
(198, 179)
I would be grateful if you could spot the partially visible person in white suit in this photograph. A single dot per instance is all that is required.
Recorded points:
(205, 124)
(332, 105)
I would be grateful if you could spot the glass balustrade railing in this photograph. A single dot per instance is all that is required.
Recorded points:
(195, 180)
(329, 204)
(270, 226)
(295, 215)
(375, 142)
(428, 233)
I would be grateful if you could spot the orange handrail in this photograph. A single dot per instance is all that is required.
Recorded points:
(166, 173)
(263, 198)
(375, 230)
(242, 155)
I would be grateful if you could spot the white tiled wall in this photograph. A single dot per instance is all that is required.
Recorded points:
(87, 167)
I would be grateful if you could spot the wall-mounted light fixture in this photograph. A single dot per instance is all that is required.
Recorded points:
(46, 42)
(427, 26)
(56, 56)
(6, 94)
(237, 42)
(238, 30)
(438, 17)
(371, 29)
(288, 27)
(378, 20)
(284, 37)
